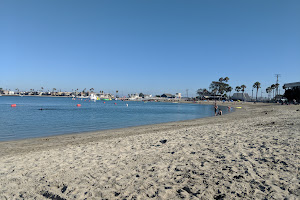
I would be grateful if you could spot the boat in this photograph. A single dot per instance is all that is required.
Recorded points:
(93, 97)
(82, 97)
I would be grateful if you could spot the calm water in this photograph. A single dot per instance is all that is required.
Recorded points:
(62, 116)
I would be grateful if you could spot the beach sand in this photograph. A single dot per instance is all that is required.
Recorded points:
(252, 153)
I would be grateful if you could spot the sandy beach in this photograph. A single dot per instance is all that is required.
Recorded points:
(252, 153)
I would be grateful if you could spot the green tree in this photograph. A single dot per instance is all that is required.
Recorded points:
(243, 88)
(226, 79)
(273, 89)
(257, 86)
(268, 91)
(202, 92)
(276, 87)
(229, 89)
(238, 89)
(219, 86)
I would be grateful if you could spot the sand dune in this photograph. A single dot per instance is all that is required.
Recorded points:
(253, 153)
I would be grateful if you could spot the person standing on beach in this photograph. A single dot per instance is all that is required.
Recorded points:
(216, 108)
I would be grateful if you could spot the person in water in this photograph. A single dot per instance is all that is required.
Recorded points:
(220, 112)
(216, 108)
(229, 108)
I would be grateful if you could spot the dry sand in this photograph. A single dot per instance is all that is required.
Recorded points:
(252, 153)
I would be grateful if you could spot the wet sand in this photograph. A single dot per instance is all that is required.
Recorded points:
(253, 153)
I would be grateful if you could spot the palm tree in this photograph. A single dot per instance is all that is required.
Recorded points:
(276, 87)
(214, 91)
(226, 79)
(238, 89)
(273, 89)
(257, 86)
(268, 91)
(229, 89)
(201, 92)
(243, 90)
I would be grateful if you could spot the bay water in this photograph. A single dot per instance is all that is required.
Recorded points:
(49, 116)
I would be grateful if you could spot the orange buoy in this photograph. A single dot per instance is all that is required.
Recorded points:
(104, 102)
(13, 105)
(78, 105)
(115, 103)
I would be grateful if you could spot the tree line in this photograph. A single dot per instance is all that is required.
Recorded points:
(222, 88)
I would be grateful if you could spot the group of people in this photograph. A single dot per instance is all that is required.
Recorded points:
(219, 112)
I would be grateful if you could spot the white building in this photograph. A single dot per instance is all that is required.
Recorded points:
(134, 96)
(178, 95)
(8, 92)
(147, 96)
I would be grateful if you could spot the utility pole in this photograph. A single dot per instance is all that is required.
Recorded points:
(277, 75)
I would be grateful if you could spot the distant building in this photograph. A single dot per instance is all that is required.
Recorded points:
(8, 92)
(167, 95)
(287, 86)
(292, 91)
(66, 94)
(178, 95)
(241, 96)
(147, 96)
(186, 99)
(134, 96)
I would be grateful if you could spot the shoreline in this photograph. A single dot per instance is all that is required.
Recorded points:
(252, 153)
(112, 129)
(12, 146)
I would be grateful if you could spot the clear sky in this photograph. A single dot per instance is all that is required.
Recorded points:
(150, 46)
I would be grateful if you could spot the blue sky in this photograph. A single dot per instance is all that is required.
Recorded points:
(152, 46)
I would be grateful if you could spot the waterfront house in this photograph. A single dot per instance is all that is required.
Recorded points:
(166, 95)
(178, 95)
(293, 85)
